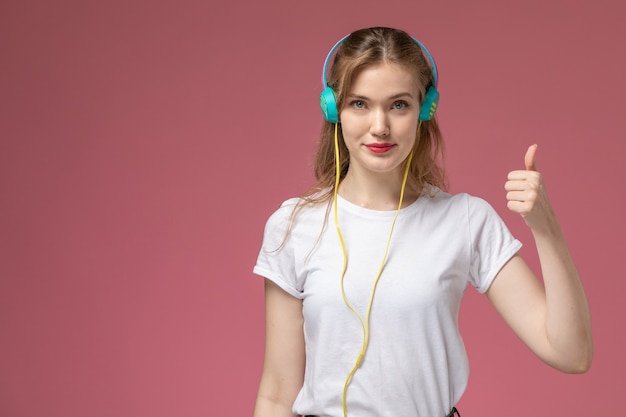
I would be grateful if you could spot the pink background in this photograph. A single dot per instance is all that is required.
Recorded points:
(144, 144)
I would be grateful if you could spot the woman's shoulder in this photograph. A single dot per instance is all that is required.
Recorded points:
(296, 207)
(284, 210)
(461, 200)
(294, 217)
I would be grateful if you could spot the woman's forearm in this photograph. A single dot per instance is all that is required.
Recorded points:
(568, 323)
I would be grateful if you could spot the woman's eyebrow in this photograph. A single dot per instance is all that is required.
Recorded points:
(400, 95)
(357, 96)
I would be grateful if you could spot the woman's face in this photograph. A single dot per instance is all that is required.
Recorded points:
(379, 118)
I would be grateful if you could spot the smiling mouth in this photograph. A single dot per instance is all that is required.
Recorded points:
(379, 147)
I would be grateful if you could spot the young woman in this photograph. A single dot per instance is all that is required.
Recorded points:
(365, 274)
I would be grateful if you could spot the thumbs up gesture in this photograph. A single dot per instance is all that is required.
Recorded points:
(527, 196)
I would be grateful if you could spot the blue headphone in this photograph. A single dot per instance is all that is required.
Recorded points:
(328, 100)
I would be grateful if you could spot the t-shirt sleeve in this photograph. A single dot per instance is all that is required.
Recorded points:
(492, 244)
(276, 260)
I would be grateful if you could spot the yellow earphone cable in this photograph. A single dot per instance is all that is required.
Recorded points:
(365, 326)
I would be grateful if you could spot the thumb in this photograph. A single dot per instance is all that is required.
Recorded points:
(529, 158)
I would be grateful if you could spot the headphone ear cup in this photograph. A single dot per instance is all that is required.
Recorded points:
(328, 103)
(429, 105)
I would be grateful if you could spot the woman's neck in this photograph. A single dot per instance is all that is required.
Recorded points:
(377, 192)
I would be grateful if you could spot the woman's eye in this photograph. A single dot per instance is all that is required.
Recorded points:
(400, 105)
(358, 104)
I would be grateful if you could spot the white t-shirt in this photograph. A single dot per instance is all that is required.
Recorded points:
(416, 364)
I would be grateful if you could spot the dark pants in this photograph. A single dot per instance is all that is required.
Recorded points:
(453, 413)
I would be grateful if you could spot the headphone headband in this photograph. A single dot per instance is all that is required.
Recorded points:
(433, 65)
(328, 99)
(327, 60)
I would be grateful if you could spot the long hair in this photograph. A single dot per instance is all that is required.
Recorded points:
(362, 49)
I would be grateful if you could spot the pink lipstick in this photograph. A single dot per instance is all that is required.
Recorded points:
(379, 147)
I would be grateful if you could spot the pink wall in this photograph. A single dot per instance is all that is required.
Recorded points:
(143, 145)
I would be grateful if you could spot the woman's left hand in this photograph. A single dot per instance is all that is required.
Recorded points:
(527, 196)
(553, 319)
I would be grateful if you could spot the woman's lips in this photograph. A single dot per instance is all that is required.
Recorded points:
(379, 147)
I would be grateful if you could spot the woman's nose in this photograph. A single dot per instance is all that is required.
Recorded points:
(379, 123)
